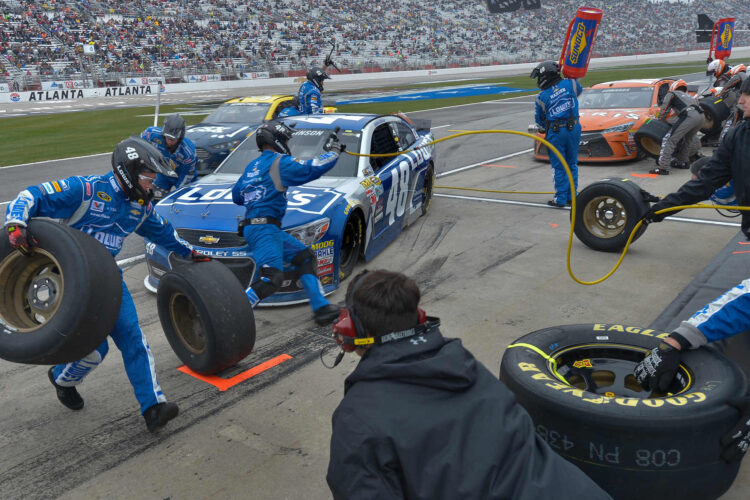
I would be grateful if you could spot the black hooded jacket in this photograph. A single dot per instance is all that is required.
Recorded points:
(730, 162)
(423, 419)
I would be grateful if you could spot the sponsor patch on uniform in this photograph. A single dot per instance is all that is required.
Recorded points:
(103, 196)
(88, 188)
(47, 186)
(97, 206)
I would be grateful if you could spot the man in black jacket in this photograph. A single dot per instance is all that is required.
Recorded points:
(731, 162)
(423, 419)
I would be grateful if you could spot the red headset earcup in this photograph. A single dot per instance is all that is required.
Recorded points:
(421, 316)
(344, 331)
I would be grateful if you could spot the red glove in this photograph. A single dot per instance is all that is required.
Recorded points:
(20, 239)
(198, 257)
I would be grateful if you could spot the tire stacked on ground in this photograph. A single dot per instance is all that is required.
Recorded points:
(606, 213)
(59, 304)
(206, 315)
(649, 136)
(715, 111)
(576, 383)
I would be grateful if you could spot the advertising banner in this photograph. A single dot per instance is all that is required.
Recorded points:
(140, 80)
(75, 94)
(66, 84)
(722, 37)
(253, 76)
(201, 78)
(579, 40)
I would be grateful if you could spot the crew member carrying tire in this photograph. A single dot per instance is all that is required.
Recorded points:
(179, 152)
(557, 113)
(262, 190)
(724, 317)
(108, 207)
(681, 142)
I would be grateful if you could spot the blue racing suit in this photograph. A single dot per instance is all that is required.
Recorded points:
(556, 107)
(184, 160)
(724, 317)
(98, 206)
(262, 190)
(310, 99)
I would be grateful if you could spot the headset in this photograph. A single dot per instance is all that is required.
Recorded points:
(349, 332)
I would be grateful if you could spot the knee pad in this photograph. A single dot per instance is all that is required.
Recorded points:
(270, 280)
(305, 261)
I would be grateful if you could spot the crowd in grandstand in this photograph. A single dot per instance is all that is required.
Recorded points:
(229, 36)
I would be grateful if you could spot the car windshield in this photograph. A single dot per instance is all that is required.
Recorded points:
(239, 112)
(611, 98)
(305, 144)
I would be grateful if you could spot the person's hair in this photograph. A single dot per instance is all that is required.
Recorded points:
(385, 301)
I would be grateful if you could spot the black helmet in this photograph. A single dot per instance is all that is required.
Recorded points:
(317, 75)
(133, 156)
(745, 87)
(546, 74)
(174, 128)
(274, 134)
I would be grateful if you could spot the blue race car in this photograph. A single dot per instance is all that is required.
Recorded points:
(352, 212)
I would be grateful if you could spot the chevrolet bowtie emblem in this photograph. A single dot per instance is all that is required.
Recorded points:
(209, 240)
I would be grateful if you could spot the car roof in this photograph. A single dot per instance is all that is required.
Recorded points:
(257, 98)
(644, 82)
(345, 121)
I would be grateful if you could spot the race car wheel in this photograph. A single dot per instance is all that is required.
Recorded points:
(351, 243)
(576, 383)
(427, 189)
(606, 213)
(206, 316)
(715, 111)
(649, 136)
(59, 304)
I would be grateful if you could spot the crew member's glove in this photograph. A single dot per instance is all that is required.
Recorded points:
(159, 193)
(658, 369)
(735, 442)
(328, 61)
(20, 239)
(198, 257)
(652, 216)
(333, 144)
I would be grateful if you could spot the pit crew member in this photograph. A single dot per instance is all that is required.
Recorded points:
(681, 142)
(108, 207)
(178, 150)
(720, 71)
(309, 94)
(557, 113)
(418, 404)
(262, 191)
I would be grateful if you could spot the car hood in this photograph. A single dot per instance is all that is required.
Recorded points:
(206, 134)
(600, 119)
(208, 203)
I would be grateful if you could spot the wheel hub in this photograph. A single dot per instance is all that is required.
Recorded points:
(604, 217)
(42, 294)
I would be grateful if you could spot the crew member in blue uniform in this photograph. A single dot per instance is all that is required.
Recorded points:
(262, 191)
(557, 113)
(108, 207)
(178, 150)
(309, 94)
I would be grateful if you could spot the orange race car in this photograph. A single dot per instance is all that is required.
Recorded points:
(610, 113)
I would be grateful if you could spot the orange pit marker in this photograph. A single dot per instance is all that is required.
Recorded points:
(650, 176)
(744, 242)
(225, 383)
(553, 224)
(741, 251)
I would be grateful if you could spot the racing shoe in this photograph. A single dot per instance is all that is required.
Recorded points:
(326, 314)
(554, 203)
(158, 415)
(659, 171)
(680, 165)
(67, 395)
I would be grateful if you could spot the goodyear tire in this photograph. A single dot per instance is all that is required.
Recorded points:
(61, 303)
(427, 189)
(715, 111)
(606, 213)
(351, 245)
(649, 136)
(576, 382)
(206, 316)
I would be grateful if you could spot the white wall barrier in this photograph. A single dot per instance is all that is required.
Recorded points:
(140, 80)
(75, 94)
(4, 87)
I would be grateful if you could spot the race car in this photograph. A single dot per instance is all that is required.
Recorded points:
(610, 113)
(351, 213)
(224, 129)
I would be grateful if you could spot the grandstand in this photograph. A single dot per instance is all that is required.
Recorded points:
(43, 40)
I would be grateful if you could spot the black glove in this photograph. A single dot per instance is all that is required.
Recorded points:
(20, 239)
(735, 442)
(198, 257)
(658, 368)
(333, 144)
(652, 216)
(328, 61)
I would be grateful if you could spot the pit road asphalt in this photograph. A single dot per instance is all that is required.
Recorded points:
(492, 266)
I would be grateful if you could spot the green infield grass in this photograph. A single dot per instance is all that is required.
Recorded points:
(64, 135)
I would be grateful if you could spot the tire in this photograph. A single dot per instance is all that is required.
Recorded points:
(76, 302)
(649, 136)
(351, 245)
(715, 111)
(427, 189)
(206, 316)
(606, 213)
(632, 445)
